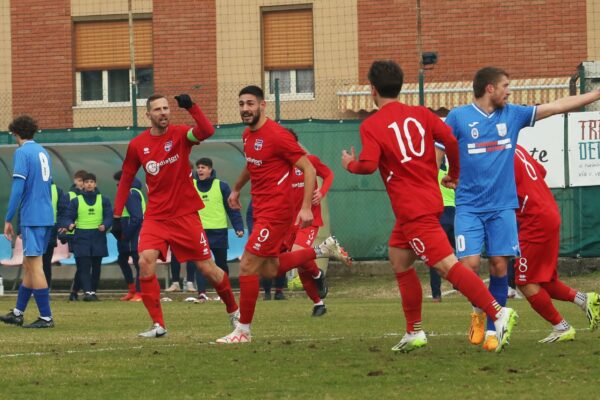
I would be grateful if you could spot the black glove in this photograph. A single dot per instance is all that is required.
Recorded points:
(117, 229)
(184, 101)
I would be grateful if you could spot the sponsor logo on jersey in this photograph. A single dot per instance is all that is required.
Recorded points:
(146, 150)
(258, 144)
(473, 124)
(501, 129)
(488, 147)
(153, 168)
(254, 161)
(168, 146)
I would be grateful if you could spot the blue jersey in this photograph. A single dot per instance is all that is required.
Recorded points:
(487, 147)
(32, 163)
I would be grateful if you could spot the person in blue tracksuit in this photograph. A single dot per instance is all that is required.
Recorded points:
(214, 193)
(93, 214)
(127, 243)
(66, 237)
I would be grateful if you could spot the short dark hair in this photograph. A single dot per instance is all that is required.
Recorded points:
(205, 161)
(387, 77)
(24, 126)
(253, 90)
(117, 175)
(80, 174)
(155, 96)
(89, 177)
(486, 76)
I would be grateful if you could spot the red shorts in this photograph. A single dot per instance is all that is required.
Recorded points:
(425, 236)
(184, 234)
(290, 238)
(303, 237)
(306, 237)
(267, 238)
(537, 263)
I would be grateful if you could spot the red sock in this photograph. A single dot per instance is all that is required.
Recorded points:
(309, 285)
(223, 289)
(249, 288)
(292, 259)
(559, 291)
(412, 298)
(131, 287)
(473, 288)
(542, 304)
(151, 298)
(311, 267)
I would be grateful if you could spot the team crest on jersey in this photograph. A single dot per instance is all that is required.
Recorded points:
(168, 145)
(258, 144)
(501, 129)
(474, 133)
(297, 171)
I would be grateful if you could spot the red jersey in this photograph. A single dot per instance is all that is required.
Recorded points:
(538, 215)
(298, 186)
(400, 138)
(165, 159)
(271, 152)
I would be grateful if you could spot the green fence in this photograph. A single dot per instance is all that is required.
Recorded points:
(359, 210)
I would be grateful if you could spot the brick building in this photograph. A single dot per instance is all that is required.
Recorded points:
(67, 62)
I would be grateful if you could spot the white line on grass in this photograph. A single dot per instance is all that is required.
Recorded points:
(264, 337)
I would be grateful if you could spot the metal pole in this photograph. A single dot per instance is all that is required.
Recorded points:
(133, 74)
(420, 53)
(277, 101)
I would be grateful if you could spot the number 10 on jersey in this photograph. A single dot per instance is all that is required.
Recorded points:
(403, 148)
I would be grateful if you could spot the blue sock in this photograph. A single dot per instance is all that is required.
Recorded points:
(23, 297)
(499, 289)
(42, 298)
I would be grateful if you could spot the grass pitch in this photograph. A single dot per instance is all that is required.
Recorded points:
(93, 352)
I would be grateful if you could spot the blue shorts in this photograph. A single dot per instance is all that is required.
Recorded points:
(496, 229)
(35, 239)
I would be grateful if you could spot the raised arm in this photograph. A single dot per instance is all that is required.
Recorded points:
(566, 104)
(203, 129)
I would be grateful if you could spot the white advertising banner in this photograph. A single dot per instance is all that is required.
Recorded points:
(545, 143)
(584, 148)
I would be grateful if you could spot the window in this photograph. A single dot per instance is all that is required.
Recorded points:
(102, 62)
(288, 53)
(112, 87)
